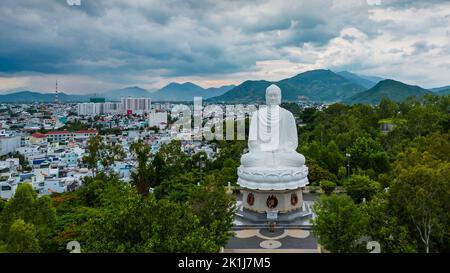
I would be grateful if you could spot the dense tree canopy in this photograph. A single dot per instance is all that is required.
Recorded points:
(36, 213)
(22, 238)
(339, 223)
(402, 173)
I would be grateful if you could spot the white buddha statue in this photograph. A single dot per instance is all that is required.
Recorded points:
(273, 136)
(272, 161)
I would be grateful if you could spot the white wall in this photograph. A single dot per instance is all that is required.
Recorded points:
(9, 144)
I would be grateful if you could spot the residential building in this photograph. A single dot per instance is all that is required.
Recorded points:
(158, 119)
(58, 136)
(9, 144)
(136, 105)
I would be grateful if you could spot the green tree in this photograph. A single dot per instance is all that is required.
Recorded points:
(93, 153)
(339, 223)
(158, 167)
(178, 188)
(22, 238)
(2, 205)
(317, 173)
(333, 157)
(359, 187)
(342, 173)
(420, 196)
(327, 186)
(174, 159)
(215, 209)
(99, 154)
(367, 153)
(90, 194)
(76, 125)
(387, 108)
(27, 206)
(118, 223)
(308, 115)
(143, 174)
(384, 227)
(110, 154)
(328, 157)
(129, 222)
(229, 150)
(228, 173)
(424, 120)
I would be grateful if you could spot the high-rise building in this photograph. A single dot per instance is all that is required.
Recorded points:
(112, 107)
(92, 109)
(128, 105)
(86, 109)
(136, 105)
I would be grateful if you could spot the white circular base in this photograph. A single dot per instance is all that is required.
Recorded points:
(262, 201)
(258, 178)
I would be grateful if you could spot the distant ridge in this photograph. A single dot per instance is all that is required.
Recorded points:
(438, 89)
(319, 85)
(444, 90)
(316, 85)
(116, 95)
(365, 81)
(187, 91)
(246, 92)
(394, 90)
(31, 96)
(172, 92)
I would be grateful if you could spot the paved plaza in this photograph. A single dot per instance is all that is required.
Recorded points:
(278, 241)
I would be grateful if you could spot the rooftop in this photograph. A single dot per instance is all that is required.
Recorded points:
(39, 135)
(70, 132)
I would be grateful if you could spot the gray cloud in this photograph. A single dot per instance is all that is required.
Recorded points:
(146, 42)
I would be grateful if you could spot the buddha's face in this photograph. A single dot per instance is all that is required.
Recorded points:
(273, 96)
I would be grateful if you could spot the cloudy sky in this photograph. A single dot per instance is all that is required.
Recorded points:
(107, 44)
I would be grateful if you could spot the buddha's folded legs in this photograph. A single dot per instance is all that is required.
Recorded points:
(272, 159)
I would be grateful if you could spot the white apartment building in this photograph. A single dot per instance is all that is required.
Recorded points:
(9, 144)
(158, 119)
(128, 105)
(136, 105)
(112, 107)
(87, 109)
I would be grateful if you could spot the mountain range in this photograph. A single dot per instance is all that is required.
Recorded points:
(171, 92)
(187, 91)
(445, 90)
(31, 96)
(363, 80)
(316, 85)
(115, 95)
(394, 90)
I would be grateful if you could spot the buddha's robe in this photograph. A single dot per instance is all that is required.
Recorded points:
(273, 140)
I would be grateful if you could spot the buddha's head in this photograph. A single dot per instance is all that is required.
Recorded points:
(273, 95)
